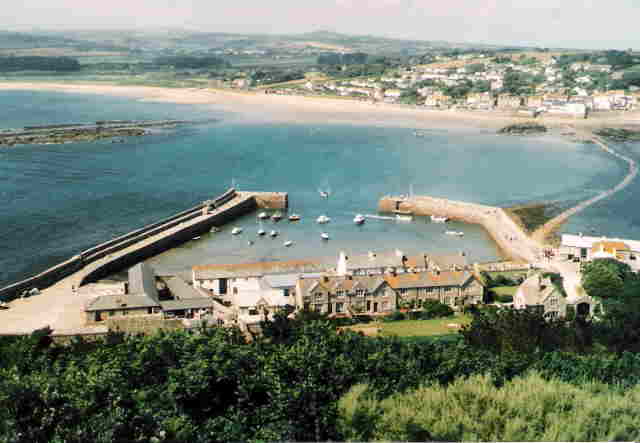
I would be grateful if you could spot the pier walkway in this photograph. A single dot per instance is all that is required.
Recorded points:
(61, 305)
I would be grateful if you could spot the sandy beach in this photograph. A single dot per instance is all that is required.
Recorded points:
(280, 108)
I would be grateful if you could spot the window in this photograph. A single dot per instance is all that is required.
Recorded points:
(112, 313)
(125, 312)
(404, 291)
(339, 307)
(359, 292)
(448, 289)
(253, 311)
(149, 310)
(286, 292)
(223, 286)
(340, 293)
(235, 291)
(385, 305)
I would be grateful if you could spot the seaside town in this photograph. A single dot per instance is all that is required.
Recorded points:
(208, 235)
(529, 83)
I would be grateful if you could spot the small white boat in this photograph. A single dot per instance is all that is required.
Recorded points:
(323, 219)
(214, 230)
(196, 238)
(250, 242)
(261, 232)
(236, 231)
(439, 219)
(324, 236)
(404, 218)
(324, 194)
(263, 216)
(359, 219)
(288, 243)
(273, 233)
(294, 217)
(277, 216)
(456, 233)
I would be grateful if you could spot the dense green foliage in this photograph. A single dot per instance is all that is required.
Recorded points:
(213, 385)
(525, 409)
(605, 278)
(37, 63)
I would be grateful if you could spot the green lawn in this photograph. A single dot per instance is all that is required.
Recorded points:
(418, 328)
(505, 290)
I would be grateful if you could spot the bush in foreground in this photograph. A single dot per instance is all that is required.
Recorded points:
(526, 409)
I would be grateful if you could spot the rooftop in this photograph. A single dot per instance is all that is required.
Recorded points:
(260, 269)
(428, 279)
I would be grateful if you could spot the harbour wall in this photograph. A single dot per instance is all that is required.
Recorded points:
(510, 238)
(129, 249)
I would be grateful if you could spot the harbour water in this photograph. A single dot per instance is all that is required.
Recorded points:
(59, 199)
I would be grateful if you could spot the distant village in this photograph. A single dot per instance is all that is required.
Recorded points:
(532, 84)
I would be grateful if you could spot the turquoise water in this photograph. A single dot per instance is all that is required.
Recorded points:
(60, 199)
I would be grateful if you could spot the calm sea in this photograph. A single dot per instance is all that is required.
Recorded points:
(56, 200)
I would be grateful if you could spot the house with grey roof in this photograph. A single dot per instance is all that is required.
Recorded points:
(346, 295)
(538, 292)
(141, 298)
(453, 288)
(379, 263)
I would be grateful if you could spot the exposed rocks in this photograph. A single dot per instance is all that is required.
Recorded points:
(619, 134)
(523, 129)
(74, 133)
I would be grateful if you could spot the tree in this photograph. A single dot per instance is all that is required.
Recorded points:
(604, 278)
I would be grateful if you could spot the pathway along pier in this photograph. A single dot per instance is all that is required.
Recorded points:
(121, 253)
(506, 233)
(511, 237)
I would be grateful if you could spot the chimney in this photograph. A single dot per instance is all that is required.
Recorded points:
(341, 269)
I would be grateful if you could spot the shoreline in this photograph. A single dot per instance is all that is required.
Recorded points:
(288, 108)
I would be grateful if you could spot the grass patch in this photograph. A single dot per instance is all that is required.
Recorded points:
(418, 328)
(505, 290)
(534, 215)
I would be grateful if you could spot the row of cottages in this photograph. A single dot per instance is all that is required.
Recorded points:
(382, 294)
(481, 100)
(346, 295)
(389, 262)
(437, 100)
(141, 297)
(453, 288)
(538, 293)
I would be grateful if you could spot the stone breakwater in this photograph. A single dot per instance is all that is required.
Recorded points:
(509, 236)
(126, 250)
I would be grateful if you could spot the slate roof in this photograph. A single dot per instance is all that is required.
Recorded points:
(532, 292)
(118, 302)
(187, 303)
(335, 283)
(212, 272)
(427, 279)
(142, 281)
(181, 290)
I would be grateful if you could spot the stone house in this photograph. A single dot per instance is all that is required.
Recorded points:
(538, 293)
(453, 288)
(141, 298)
(346, 295)
(379, 263)
(587, 248)
(480, 100)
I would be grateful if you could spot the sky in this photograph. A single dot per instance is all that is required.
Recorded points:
(594, 24)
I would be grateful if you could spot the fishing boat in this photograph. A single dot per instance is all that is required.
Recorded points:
(324, 236)
(359, 219)
(294, 217)
(263, 216)
(273, 233)
(236, 231)
(454, 233)
(288, 243)
(439, 219)
(277, 216)
(323, 219)
(261, 232)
